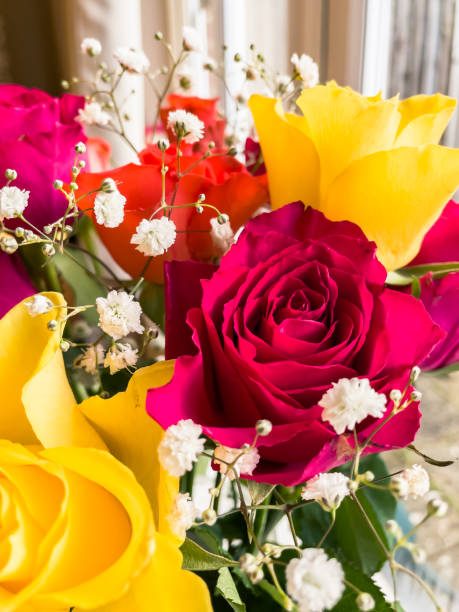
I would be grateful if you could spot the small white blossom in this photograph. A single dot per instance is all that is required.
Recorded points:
(154, 237)
(182, 514)
(314, 581)
(413, 482)
(91, 359)
(91, 46)
(40, 304)
(109, 208)
(180, 447)
(350, 401)
(93, 114)
(306, 68)
(119, 314)
(247, 462)
(327, 489)
(12, 202)
(191, 39)
(135, 62)
(120, 356)
(221, 234)
(186, 125)
(284, 84)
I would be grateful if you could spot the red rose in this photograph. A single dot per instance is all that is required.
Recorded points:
(297, 303)
(224, 181)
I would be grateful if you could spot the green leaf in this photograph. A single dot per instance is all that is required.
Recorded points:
(84, 286)
(198, 559)
(438, 269)
(226, 588)
(258, 491)
(351, 537)
(427, 459)
(363, 583)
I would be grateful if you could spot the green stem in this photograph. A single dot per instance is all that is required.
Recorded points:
(51, 277)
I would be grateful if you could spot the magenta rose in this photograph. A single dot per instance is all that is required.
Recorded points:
(14, 282)
(38, 134)
(297, 304)
(441, 296)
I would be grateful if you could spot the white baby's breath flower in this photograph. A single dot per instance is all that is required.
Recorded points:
(182, 514)
(413, 482)
(40, 304)
(180, 447)
(135, 62)
(120, 356)
(109, 208)
(91, 46)
(93, 114)
(191, 39)
(247, 462)
(328, 490)
(306, 69)
(314, 581)
(155, 236)
(91, 359)
(350, 401)
(186, 126)
(12, 202)
(119, 314)
(221, 234)
(284, 84)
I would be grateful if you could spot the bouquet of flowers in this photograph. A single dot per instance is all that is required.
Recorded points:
(195, 414)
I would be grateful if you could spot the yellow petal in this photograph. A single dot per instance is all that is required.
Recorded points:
(424, 119)
(37, 401)
(395, 197)
(163, 586)
(133, 437)
(344, 126)
(290, 157)
(108, 533)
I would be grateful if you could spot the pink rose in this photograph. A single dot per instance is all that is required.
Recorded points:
(441, 297)
(38, 134)
(298, 303)
(14, 282)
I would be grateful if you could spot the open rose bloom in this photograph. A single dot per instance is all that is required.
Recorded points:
(297, 304)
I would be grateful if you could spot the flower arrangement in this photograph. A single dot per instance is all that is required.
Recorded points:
(244, 358)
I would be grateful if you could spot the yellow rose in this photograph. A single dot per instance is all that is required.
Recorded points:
(371, 161)
(83, 499)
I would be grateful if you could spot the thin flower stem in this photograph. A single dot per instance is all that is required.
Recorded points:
(329, 528)
(370, 524)
(424, 585)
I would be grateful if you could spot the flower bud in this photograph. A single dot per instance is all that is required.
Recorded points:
(48, 250)
(64, 346)
(199, 209)
(395, 395)
(415, 374)
(368, 476)
(263, 427)
(237, 57)
(11, 175)
(58, 184)
(158, 35)
(163, 144)
(211, 145)
(80, 148)
(209, 517)
(75, 170)
(437, 507)
(73, 186)
(248, 563)
(185, 82)
(365, 602)
(419, 554)
(104, 395)
(19, 231)
(256, 576)
(65, 84)
(48, 229)
(353, 485)
(81, 163)
(232, 152)
(52, 325)
(393, 528)
(108, 185)
(416, 396)
(201, 197)
(222, 219)
(8, 244)
(152, 332)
